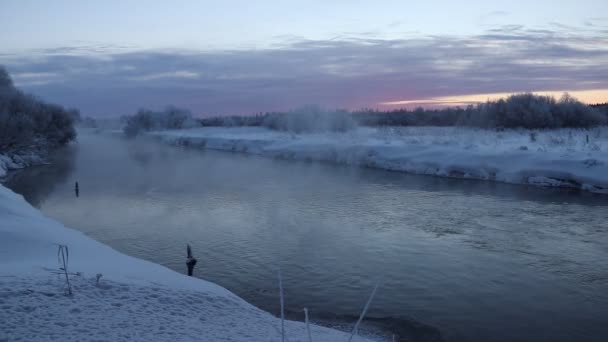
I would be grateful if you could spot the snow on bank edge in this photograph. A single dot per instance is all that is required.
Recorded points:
(136, 299)
(512, 162)
(19, 161)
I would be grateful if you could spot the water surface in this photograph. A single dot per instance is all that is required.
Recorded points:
(476, 260)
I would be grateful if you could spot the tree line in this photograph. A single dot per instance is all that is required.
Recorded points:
(26, 122)
(516, 111)
(525, 110)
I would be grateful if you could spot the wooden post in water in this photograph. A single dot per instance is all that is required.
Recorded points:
(76, 190)
(190, 260)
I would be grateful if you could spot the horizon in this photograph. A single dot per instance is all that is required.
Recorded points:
(335, 170)
(104, 58)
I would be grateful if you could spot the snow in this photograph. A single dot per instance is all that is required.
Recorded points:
(18, 161)
(570, 158)
(134, 299)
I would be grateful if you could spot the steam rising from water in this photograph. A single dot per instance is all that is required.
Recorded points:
(475, 259)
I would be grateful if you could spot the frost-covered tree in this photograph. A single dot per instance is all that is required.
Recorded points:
(147, 120)
(516, 111)
(28, 122)
(534, 111)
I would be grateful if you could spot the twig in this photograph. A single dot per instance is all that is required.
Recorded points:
(282, 306)
(307, 325)
(69, 273)
(63, 255)
(356, 328)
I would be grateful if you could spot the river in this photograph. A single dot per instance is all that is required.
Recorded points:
(475, 261)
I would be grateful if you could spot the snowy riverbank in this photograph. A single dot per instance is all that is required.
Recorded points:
(135, 300)
(15, 161)
(568, 158)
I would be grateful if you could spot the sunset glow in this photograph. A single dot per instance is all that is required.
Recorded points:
(278, 56)
(449, 156)
(586, 96)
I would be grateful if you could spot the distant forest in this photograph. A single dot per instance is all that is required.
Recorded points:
(517, 111)
(28, 123)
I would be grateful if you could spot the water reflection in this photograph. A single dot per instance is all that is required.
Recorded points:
(480, 260)
(36, 183)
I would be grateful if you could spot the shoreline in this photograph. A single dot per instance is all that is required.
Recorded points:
(144, 293)
(561, 160)
(17, 161)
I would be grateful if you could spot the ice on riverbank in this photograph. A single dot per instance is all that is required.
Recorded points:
(134, 300)
(18, 161)
(569, 158)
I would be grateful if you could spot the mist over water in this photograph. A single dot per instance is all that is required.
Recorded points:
(476, 260)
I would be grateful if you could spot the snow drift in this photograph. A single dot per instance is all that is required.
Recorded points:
(569, 158)
(17, 161)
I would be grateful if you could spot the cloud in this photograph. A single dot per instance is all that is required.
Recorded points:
(36, 78)
(591, 96)
(185, 74)
(341, 72)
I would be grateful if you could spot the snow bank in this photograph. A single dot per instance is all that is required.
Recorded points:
(567, 158)
(134, 300)
(19, 161)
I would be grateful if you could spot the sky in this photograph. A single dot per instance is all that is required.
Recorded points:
(112, 57)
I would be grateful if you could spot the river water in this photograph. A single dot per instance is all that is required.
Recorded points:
(472, 261)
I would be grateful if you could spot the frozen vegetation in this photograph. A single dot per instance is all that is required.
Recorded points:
(570, 158)
(522, 139)
(147, 120)
(29, 127)
(114, 297)
(516, 111)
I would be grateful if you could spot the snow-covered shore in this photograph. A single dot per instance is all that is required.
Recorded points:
(15, 161)
(135, 300)
(568, 158)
